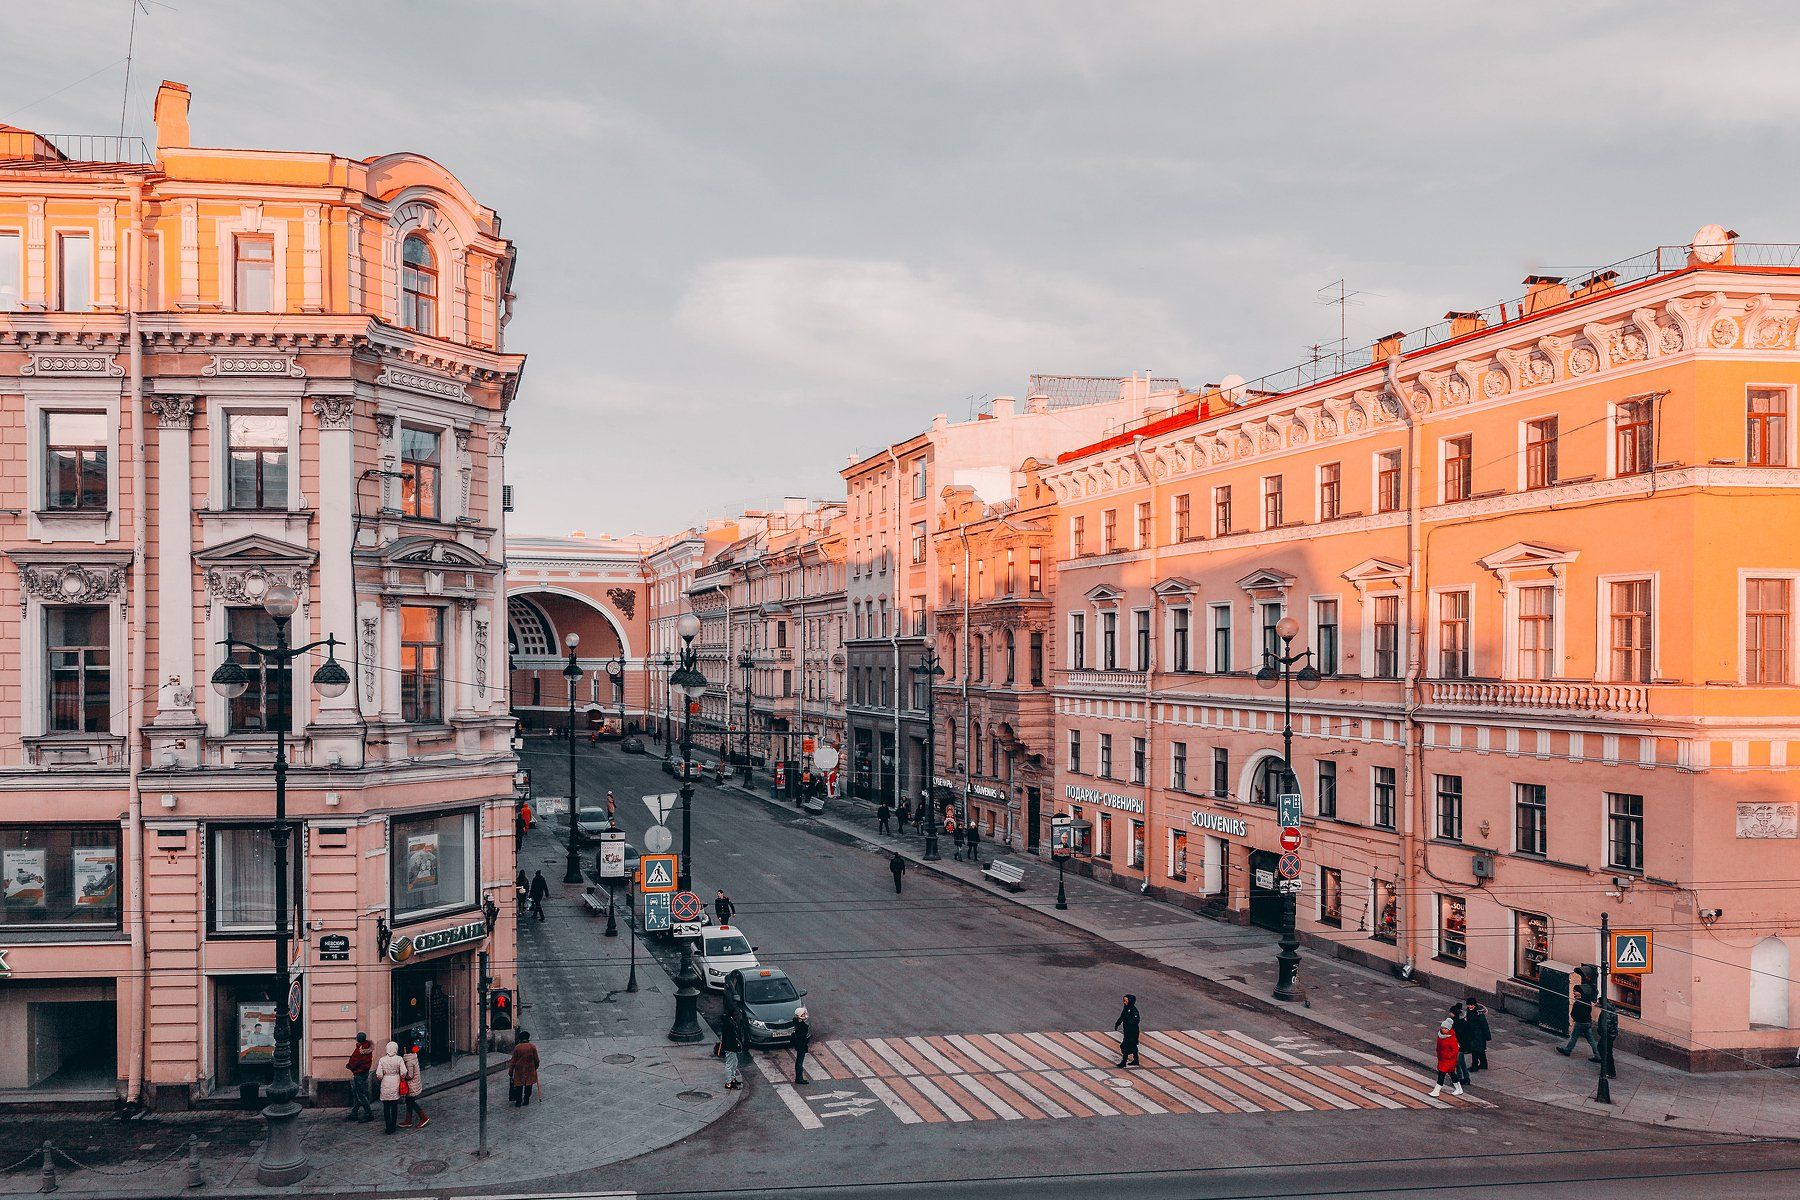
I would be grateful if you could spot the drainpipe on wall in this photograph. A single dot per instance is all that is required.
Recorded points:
(968, 670)
(894, 647)
(1137, 452)
(1411, 847)
(138, 1054)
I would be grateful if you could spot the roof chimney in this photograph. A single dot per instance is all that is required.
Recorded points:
(1389, 346)
(1544, 292)
(1464, 323)
(1037, 402)
(1005, 406)
(1595, 284)
(172, 116)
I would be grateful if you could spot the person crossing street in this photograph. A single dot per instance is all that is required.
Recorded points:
(723, 908)
(1129, 1024)
(802, 1040)
(897, 865)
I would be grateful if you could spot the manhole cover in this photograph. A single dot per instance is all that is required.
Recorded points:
(427, 1166)
(620, 1059)
(1122, 1084)
(694, 1096)
(560, 1069)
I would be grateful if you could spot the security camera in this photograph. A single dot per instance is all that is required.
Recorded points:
(1622, 882)
(1709, 915)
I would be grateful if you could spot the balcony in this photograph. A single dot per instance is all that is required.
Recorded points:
(1115, 682)
(1604, 699)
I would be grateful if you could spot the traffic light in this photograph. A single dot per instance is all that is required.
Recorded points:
(500, 1008)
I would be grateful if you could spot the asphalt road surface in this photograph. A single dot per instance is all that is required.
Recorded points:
(964, 1049)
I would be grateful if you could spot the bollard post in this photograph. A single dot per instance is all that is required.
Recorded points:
(194, 1178)
(48, 1181)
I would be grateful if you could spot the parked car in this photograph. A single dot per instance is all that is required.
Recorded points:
(723, 949)
(632, 745)
(762, 1001)
(591, 824)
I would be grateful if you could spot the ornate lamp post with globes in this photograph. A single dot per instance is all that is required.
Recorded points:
(690, 684)
(571, 674)
(1278, 667)
(747, 661)
(283, 1159)
(930, 671)
(615, 671)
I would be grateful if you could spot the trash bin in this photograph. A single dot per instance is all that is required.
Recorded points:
(250, 1096)
(1553, 996)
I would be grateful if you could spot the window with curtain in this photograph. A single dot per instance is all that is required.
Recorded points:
(75, 454)
(1765, 433)
(421, 472)
(432, 864)
(1634, 439)
(255, 273)
(78, 642)
(243, 879)
(1537, 632)
(1453, 635)
(1766, 608)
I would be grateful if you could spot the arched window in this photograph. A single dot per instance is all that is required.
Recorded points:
(418, 286)
(950, 741)
(1012, 656)
(1270, 781)
(975, 748)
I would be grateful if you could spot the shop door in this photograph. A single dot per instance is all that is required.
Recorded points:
(1034, 804)
(412, 1009)
(441, 1046)
(1265, 901)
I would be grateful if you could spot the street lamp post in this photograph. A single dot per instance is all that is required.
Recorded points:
(747, 661)
(572, 674)
(666, 662)
(1278, 667)
(615, 671)
(283, 1159)
(692, 685)
(930, 671)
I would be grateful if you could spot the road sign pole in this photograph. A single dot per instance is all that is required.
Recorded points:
(481, 1146)
(1603, 1093)
(631, 922)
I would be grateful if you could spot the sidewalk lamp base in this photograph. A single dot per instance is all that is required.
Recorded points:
(282, 1160)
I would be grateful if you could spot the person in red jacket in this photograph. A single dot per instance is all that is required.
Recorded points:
(1448, 1052)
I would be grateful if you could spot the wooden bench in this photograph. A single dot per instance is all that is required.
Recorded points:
(595, 902)
(1008, 874)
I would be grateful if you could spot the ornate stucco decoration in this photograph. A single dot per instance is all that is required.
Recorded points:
(258, 366)
(1768, 820)
(481, 659)
(70, 583)
(248, 585)
(62, 365)
(172, 412)
(367, 652)
(334, 412)
(425, 385)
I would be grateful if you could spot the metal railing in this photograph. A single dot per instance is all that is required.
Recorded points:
(24, 146)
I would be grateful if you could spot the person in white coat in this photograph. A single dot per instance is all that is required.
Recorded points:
(388, 1074)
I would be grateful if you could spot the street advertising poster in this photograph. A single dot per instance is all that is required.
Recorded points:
(96, 876)
(421, 861)
(256, 1032)
(24, 872)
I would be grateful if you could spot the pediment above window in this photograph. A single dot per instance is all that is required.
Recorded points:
(64, 576)
(436, 553)
(1170, 589)
(1266, 580)
(1105, 594)
(1527, 556)
(241, 571)
(1375, 570)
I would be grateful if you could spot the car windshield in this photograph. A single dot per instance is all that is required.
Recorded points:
(593, 816)
(769, 991)
(727, 945)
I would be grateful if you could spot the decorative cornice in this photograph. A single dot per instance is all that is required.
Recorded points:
(262, 366)
(76, 582)
(425, 385)
(172, 412)
(59, 366)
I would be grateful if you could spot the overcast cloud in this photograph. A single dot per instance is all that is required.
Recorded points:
(756, 236)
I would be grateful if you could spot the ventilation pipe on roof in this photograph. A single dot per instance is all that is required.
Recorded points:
(1544, 292)
(1388, 347)
(171, 114)
(1595, 284)
(1464, 323)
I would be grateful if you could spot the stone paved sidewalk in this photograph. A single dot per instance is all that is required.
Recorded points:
(1399, 1018)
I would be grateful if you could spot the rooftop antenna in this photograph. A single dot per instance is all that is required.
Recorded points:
(1338, 292)
(130, 49)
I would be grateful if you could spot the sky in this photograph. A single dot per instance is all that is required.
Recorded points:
(757, 236)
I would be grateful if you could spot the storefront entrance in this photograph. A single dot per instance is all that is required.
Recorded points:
(431, 1001)
(1034, 804)
(59, 1036)
(1265, 901)
(244, 1030)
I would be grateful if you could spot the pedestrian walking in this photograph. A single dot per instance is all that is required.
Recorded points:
(1447, 1054)
(1130, 1022)
(723, 908)
(956, 834)
(612, 807)
(1581, 1022)
(390, 1073)
(522, 1070)
(1459, 1025)
(540, 888)
(731, 1045)
(410, 1090)
(973, 838)
(1480, 1034)
(802, 1040)
(905, 815)
(361, 1062)
(881, 818)
(897, 865)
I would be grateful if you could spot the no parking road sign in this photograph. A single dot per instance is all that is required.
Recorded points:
(685, 907)
(1289, 866)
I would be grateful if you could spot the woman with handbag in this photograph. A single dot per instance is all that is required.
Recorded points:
(410, 1088)
(390, 1072)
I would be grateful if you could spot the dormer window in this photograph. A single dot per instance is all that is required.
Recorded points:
(418, 286)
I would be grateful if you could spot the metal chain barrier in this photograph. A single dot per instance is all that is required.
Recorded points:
(150, 1166)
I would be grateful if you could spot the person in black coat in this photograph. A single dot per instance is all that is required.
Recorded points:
(802, 1040)
(897, 865)
(1129, 1023)
(1581, 1025)
(1459, 1025)
(540, 888)
(881, 818)
(723, 906)
(973, 838)
(1480, 1034)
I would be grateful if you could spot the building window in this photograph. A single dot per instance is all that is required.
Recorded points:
(1382, 809)
(418, 286)
(1537, 632)
(1178, 855)
(1331, 491)
(1011, 645)
(1134, 846)
(1037, 659)
(1531, 819)
(1075, 751)
(242, 879)
(256, 453)
(1384, 905)
(1184, 516)
(918, 541)
(1139, 752)
(1457, 452)
(1221, 621)
(978, 652)
(1325, 622)
(421, 471)
(1271, 779)
(1109, 641)
(1011, 579)
(1624, 832)
(74, 273)
(1453, 635)
(1141, 640)
(1221, 783)
(1103, 836)
(1450, 807)
(1077, 640)
(1387, 481)
(1631, 631)
(1766, 630)
(1034, 566)
(59, 875)
(918, 616)
(1531, 944)
(981, 585)
(920, 478)
(262, 706)
(1222, 510)
(1540, 453)
(1634, 438)
(1331, 897)
(1628, 994)
(1180, 636)
(432, 864)
(255, 273)
(1106, 763)
(75, 461)
(1178, 766)
(1271, 637)
(78, 641)
(1387, 637)
(12, 273)
(1143, 524)
(1765, 431)
(1109, 531)
(1328, 788)
(1272, 508)
(421, 664)
(1453, 928)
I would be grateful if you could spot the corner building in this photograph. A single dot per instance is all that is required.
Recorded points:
(220, 371)
(1545, 556)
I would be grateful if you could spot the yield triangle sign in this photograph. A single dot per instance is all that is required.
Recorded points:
(659, 873)
(659, 806)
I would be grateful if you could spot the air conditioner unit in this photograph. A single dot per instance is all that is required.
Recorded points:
(506, 497)
(1482, 866)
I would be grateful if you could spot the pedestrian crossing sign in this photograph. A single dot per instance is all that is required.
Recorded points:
(1632, 952)
(659, 872)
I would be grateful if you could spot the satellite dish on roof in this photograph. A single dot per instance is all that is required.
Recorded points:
(1232, 388)
(1710, 242)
